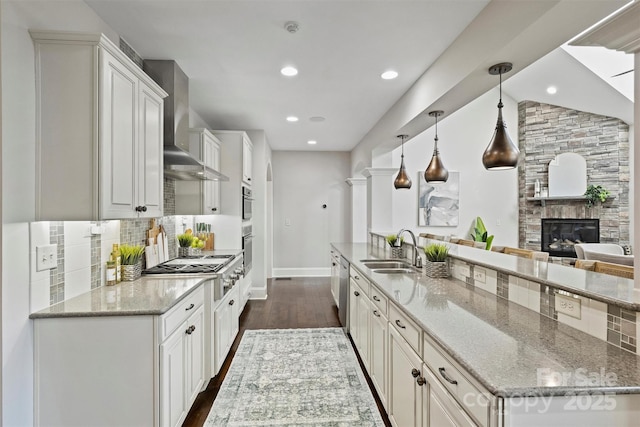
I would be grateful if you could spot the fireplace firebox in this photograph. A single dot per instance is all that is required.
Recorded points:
(560, 235)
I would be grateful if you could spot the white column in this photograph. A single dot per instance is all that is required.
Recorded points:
(358, 209)
(379, 198)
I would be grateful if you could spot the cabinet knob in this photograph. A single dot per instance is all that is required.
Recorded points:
(415, 373)
(231, 302)
(144, 209)
(248, 179)
(189, 308)
(446, 377)
(190, 330)
(356, 293)
(214, 209)
(400, 325)
(421, 381)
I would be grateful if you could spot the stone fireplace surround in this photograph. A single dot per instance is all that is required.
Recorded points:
(545, 131)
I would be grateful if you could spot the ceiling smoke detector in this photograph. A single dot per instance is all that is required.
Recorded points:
(291, 27)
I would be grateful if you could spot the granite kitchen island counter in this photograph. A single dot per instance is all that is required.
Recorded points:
(511, 350)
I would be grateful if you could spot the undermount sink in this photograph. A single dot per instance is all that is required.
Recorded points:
(394, 270)
(386, 264)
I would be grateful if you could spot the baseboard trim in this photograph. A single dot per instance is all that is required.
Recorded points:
(258, 293)
(302, 272)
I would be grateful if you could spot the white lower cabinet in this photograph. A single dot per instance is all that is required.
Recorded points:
(378, 352)
(404, 403)
(439, 408)
(226, 326)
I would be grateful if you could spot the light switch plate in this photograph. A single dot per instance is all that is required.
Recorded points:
(569, 306)
(46, 257)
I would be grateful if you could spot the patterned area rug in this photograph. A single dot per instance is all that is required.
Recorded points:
(294, 377)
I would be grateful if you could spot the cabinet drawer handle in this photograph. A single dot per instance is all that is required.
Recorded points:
(333, 263)
(214, 209)
(375, 313)
(421, 381)
(190, 330)
(375, 298)
(189, 308)
(400, 324)
(248, 179)
(356, 277)
(356, 293)
(446, 377)
(415, 373)
(231, 302)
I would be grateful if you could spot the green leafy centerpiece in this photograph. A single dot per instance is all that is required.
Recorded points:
(131, 261)
(595, 194)
(480, 234)
(436, 265)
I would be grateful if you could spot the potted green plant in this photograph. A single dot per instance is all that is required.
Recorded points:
(436, 264)
(184, 244)
(480, 234)
(397, 250)
(595, 194)
(131, 261)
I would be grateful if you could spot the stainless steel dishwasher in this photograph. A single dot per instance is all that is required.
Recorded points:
(344, 293)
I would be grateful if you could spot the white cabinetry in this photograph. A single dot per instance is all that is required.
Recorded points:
(235, 162)
(200, 197)
(227, 325)
(99, 139)
(359, 314)
(247, 161)
(335, 277)
(439, 408)
(142, 370)
(404, 402)
(378, 339)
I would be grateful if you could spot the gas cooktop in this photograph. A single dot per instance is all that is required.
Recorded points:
(191, 264)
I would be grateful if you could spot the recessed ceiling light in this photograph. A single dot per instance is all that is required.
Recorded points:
(317, 119)
(389, 75)
(312, 142)
(292, 119)
(289, 71)
(551, 90)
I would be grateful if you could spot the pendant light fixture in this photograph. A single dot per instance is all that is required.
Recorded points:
(436, 172)
(402, 180)
(501, 153)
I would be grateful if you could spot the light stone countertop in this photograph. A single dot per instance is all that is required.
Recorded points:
(504, 346)
(149, 295)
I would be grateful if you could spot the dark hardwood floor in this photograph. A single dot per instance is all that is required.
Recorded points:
(292, 303)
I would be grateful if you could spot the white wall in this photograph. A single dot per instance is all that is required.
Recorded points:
(463, 137)
(18, 184)
(302, 183)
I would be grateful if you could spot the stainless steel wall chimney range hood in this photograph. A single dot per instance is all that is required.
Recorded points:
(179, 162)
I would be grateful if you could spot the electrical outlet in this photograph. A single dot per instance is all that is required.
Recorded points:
(46, 257)
(479, 274)
(568, 305)
(287, 222)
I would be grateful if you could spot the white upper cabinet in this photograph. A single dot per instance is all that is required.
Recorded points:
(247, 160)
(200, 197)
(99, 132)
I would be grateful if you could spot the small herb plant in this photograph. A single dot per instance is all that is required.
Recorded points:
(436, 252)
(185, 240)
(595, 194)
(392, 239)
(131, 254)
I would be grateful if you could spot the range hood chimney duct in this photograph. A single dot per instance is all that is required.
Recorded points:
(179, 162)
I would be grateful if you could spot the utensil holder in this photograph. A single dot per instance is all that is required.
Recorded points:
(131, 272)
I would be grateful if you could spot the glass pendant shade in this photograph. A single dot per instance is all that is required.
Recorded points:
(436, 172)
(402, 180)
(501, 153)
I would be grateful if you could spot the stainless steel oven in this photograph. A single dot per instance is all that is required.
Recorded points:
(247, 246)
(246, 202)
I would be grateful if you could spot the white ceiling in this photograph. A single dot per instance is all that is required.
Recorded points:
(233, 51)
